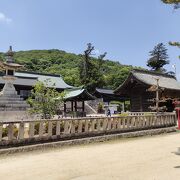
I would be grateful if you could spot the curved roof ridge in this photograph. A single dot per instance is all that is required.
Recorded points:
(38, 73)
(144, 71)
(149, 78)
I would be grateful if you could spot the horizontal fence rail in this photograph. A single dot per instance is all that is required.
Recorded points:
(40, 130)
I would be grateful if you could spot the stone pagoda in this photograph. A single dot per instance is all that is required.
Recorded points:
(9, 99)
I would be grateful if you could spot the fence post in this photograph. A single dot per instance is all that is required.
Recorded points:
(10, 131)
(21, 131)
(49, 128)
(72, 127)
(66, 127)
(98, 125)
(79, 126)
(1, 131)
(57, 128)
(114, 123)
(105, 122)
(119, 123)
(109, 124)
(41, 129)
(31, 129)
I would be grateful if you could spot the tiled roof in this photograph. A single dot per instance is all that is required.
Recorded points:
(78, 94)
(105, 91)
(30, 79)
(150, 78)
(55, 81)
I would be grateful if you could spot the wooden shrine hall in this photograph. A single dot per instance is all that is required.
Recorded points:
(136, 86)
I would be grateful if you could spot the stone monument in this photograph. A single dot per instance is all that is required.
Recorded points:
(11, 103)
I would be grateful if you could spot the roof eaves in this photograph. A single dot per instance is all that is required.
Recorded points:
(124, 83)
(38, 73)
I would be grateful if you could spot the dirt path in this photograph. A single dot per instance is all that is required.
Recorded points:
(149, 158)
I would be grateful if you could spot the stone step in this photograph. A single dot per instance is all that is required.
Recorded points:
(10, 96)
(11, 99)
(15, 105)
(12, 102)
(14, 109)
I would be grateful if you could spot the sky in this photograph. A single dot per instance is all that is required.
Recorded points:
(126, 30)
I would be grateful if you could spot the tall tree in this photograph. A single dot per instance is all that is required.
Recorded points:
(158, 58)
(84, 72)
(91, 75)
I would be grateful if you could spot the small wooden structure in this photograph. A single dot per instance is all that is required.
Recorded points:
(76, 96)
(136, 88)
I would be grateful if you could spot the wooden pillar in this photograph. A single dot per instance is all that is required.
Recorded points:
(124, 106)
(75, 105)
(83, 109)
(71, 105)
(64, 107)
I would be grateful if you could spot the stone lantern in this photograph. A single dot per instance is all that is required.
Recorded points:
(9, 66)
(10, 101)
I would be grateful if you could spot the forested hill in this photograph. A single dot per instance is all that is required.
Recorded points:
(67, 64)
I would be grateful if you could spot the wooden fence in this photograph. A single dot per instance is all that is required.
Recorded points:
(21, 132)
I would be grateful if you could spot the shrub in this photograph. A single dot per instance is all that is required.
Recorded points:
(100, 107)
(5, 131)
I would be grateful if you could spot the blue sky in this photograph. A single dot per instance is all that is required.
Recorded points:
(126, 30)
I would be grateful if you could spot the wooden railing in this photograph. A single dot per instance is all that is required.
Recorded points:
(42, 130)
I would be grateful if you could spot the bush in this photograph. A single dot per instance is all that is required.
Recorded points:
(100, 108)
(36, 128)
(5, 131)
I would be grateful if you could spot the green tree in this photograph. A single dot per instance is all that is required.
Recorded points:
(91, 75)
(158, 58)
(44, 101)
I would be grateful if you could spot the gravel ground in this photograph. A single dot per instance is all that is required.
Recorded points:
(147, 158)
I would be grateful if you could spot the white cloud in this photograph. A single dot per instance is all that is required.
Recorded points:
(4, 18)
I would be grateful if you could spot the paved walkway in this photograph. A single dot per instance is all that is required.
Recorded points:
(149, 158)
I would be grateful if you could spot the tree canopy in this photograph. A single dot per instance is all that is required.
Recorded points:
(91, 73)
(171, 1)
(158, 58)
(45, 101)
